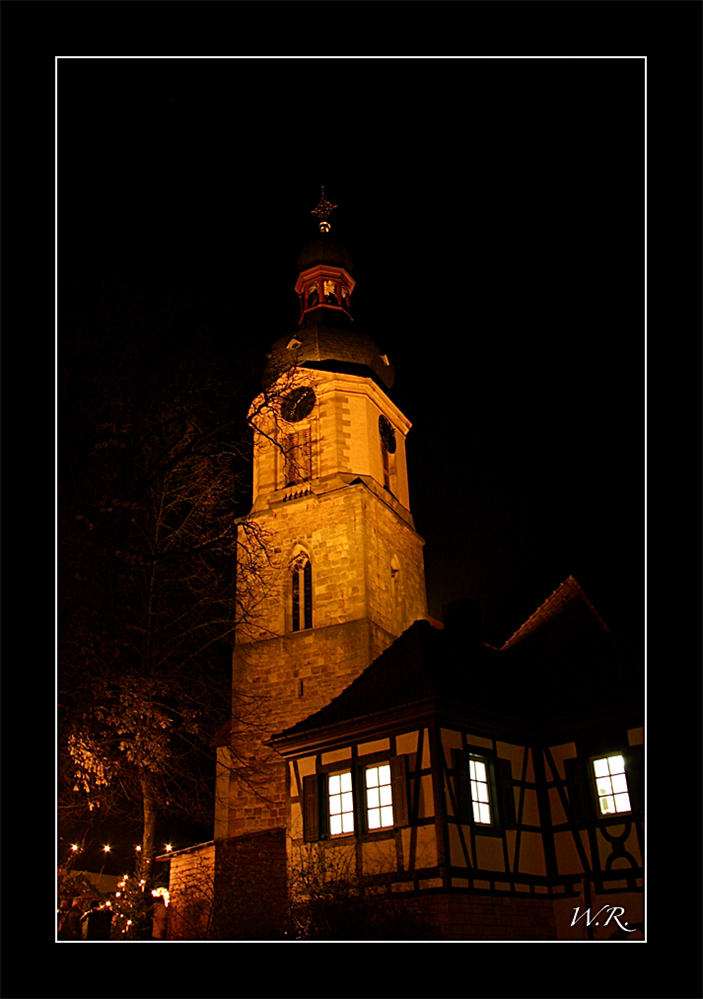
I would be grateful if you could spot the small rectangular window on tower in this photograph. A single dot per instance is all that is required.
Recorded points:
(298, 457)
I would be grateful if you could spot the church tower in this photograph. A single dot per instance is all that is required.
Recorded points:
(343, 572)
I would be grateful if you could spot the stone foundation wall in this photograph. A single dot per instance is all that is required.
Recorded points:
(191, 890)
(485, 917)
(251, 891)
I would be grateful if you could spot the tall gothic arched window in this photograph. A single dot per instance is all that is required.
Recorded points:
(301, 592)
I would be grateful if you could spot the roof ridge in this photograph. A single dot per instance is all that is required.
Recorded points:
(569, 588)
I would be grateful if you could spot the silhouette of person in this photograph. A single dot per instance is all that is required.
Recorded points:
(71, 926)
(96, 922)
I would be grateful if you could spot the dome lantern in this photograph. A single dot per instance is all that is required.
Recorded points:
(324, 281)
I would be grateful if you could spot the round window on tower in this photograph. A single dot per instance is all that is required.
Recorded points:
(298, 403)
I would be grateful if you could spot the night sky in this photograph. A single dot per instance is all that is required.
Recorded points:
(494, 209)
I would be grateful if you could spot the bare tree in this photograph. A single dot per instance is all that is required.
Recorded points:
(155, 468)
(331, 900)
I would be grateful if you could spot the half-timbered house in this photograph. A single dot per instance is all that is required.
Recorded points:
(491, 789)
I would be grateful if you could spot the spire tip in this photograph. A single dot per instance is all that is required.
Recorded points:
(322, 210)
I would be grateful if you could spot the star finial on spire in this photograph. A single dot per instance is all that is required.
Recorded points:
(322, 211)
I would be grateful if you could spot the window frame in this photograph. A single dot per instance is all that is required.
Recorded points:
(582, 792)
(341, 794)
(316, 798)
(499, 782)
(595, 778)
(365, 791)
(477, 802)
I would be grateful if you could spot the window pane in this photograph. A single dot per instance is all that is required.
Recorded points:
(335, 825)
(335, 784)
(622, 802)
(386, 797)
(387, 816)
(384, 774)
(619, 782)
(372, 777)
(373, 797)
(616, 764)
(607, 805)
(600, 768)
(485, 814)
(374, 818)
(348, 822)
(477, 770)
(346, 781)
(604, 786)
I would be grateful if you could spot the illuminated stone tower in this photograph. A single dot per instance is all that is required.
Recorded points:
(330, 496)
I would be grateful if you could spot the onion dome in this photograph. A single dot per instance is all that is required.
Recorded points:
(329, 348)
(326, 339)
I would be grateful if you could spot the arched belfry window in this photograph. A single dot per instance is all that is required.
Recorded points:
(330, 292)
(301, 591)
(313, 295)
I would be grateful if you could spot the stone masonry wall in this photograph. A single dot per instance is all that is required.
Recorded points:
(485, 917)
(368, 586)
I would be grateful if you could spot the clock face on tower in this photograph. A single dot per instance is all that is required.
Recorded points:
(298, 404)
(387, 434)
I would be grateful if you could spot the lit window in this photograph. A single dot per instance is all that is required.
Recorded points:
(478, 777)
(379, 797)
(329, 289)
(611, 785)
(341, 803)
(313, 295)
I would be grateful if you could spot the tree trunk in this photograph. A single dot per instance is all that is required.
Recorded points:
(149, 833)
